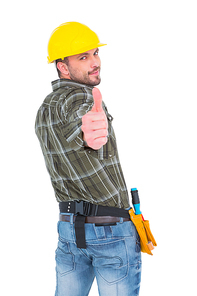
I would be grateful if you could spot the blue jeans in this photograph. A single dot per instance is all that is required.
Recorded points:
(113, 256)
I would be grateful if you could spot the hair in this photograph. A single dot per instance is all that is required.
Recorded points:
(65, 61)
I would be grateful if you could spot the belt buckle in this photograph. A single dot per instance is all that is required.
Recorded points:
(79, 207)
(85, 208)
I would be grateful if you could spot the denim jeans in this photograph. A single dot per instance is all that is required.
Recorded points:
(112, 255)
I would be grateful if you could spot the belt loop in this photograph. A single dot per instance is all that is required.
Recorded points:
(71, 219)
(121, 220)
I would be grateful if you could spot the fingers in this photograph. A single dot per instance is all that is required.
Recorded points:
(93, 117)
(97, 125)
(94, 121)
(95, 134)
(95, 128)
(102, 133)
(96, 143)
(97, 107)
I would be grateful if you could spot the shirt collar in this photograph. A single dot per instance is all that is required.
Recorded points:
(68, 83)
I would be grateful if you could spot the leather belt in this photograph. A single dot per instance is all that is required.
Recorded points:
(94, 219)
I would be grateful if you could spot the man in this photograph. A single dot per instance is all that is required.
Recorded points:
(96, 236)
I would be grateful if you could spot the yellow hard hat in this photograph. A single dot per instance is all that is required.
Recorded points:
(69, 39)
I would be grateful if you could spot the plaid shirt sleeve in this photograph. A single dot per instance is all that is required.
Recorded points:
(80, 102)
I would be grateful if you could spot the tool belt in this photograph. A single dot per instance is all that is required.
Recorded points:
(84, 211)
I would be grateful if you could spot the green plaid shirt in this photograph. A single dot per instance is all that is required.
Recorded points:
(78, 172)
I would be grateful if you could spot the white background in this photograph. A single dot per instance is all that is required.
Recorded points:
(149, 72)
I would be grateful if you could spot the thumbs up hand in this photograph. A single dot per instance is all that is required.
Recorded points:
(94, 123)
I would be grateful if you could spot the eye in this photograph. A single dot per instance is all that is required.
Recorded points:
(96, 52)
(83, 58)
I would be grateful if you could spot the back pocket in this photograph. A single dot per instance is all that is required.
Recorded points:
(64, 259)
(110, 260)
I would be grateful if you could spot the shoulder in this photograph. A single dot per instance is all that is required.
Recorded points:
(71, 92)
(70, 99)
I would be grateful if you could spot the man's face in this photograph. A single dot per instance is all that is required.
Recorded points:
(85, 68)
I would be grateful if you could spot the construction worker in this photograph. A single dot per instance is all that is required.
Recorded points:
(74, 127)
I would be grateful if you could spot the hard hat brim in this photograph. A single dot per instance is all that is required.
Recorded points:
(72, 53)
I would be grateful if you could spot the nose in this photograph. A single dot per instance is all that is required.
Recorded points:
(94, 62)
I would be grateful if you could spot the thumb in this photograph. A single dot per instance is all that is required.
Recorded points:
(97, 107)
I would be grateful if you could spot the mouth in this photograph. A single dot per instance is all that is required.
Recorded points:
(95, 72)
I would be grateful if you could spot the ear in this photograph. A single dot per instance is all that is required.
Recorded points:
(62, 67)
